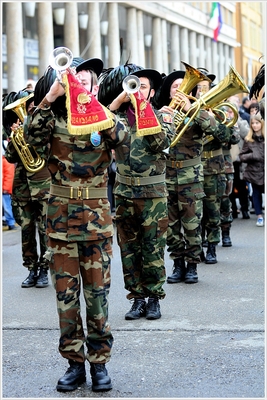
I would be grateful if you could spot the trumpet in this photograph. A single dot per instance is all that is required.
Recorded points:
(232, 84)
(60, 59)
(28, 155)
(131, 84)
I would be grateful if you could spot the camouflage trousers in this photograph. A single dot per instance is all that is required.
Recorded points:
(31, 215)
(141, 235)
(226, 204)
(185, 214)
(75, 266)
(214, 188)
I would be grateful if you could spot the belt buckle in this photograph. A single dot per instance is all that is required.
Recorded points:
(177, 164)
(79, 193)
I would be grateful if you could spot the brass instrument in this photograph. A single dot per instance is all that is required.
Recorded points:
(131, 84)
(60, 59)
(190, 80)
(232, 84)
(30, 159)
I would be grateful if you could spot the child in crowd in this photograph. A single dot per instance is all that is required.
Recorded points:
(252, 153)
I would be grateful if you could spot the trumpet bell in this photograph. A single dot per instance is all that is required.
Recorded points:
(131, 84)
(61, 58)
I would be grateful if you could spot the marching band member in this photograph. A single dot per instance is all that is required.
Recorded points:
(140, 188)
(30, 192)
(184, 177)
(81, 134)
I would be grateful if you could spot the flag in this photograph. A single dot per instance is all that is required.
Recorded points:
(146, 120)
(215, 21)
(85, 113)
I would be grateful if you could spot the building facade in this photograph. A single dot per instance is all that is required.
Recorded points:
(155, 35)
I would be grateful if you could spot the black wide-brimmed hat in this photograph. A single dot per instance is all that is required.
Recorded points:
(206, 72)
(93, 64)
(164, 95)
(151, 74)
(169, 79)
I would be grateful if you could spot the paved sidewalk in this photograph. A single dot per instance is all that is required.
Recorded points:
(209, 342)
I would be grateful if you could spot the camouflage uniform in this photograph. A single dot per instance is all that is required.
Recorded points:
(184, 177)
(141, 208)
(80, 230)
(214, 187)
(226, 205)
(29, 202)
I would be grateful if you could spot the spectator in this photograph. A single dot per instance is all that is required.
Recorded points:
(8, 172)
(254, 108)
(253, 153)
(244, 109)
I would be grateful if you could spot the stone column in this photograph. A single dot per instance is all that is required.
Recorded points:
(131, 37)
(201, 51)
(215, 60)
(164, 43)
(113, 36)
(208, 55)
(184, 45)
(71, 28)
(15, 47)
(175, 48)
(156, 45)
(93, 47)
(140, 38)
(227, 58)
(193, 49)
(221, 59)
(232, 56)
(45, 35)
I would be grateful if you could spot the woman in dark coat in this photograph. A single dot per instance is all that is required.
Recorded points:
(252, 153)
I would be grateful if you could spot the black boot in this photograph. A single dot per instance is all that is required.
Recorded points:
(74, 376)
(42, 280)
(226, 240)
(202, 256)
(137, 310)
(30, 281)
(153, 308)
(211, 254)
(245, 215)
(178, 271)
(191, 273)
(100, 379)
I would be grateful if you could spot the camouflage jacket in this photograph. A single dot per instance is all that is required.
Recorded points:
(27, 185)
(142, 159)
(188, 148)
(75, 162)
(213, 163)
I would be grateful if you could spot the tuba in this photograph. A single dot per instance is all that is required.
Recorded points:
(190, 80)
(30, 159)
(232, 84)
